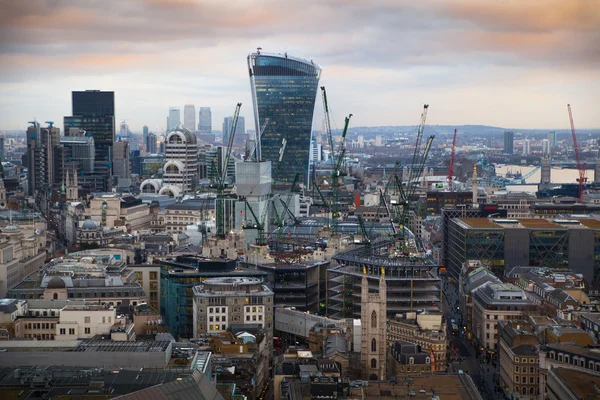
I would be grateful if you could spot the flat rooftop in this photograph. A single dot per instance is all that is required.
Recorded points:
(447, 387)
(582, 384)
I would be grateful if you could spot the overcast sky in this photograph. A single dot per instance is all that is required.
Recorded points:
(509, 63)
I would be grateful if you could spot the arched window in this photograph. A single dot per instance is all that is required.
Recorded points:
(373, 363)
(373, 345)
(373, 319)
(531, 391)
(55, 296)
(524, 391)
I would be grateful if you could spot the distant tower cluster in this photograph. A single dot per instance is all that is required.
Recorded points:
(374, 339)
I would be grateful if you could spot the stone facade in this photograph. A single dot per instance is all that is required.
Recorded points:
(373, 316)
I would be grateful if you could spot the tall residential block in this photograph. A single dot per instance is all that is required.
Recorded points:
(284, 91)
(189, 117)
(205, 120)
(509, 138)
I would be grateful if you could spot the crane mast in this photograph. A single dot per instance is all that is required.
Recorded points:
(451, 166)
(581, 168)
(222, 176)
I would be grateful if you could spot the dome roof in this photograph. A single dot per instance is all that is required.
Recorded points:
(89, 224)
(181, 136)
(56, 283)
(10, 228)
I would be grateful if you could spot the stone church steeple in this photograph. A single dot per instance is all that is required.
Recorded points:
(373, 324)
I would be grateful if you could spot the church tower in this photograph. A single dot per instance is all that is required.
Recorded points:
(72, 189)
(373, 321)
(546, 177)
(474, 186)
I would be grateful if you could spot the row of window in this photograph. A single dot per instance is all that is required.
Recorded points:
(524, 369)
(524, 379)
(575, 360)
(39, 325)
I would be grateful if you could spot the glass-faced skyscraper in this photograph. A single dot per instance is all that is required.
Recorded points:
(284, 90)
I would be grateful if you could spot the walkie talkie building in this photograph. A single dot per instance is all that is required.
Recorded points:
(284, 90)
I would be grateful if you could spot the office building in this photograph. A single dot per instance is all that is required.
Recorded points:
(498, 243)
(94, 113)
(284, 91)
(426, 330)
(121, 165)
(2, 149)
(316, 151)
(173, 119)
(239, 130)
(179, 275)
(79, 151)
(220, 303)
(205, 120)
(518, 358)
(41, 168)
(509, 138)
(189, 117)
(180, 173)
(124, 131)
(150, 143)
(494, 302)
(407, 359)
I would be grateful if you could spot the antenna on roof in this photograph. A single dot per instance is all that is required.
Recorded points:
(258, 49)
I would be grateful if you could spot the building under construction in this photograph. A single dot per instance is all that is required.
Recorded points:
(412, 281)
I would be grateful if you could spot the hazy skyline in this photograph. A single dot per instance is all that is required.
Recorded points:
(505, 63)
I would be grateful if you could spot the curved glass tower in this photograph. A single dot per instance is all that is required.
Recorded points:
(284, 90)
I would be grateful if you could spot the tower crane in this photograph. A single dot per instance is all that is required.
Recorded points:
(581, 168)
(451, 166)
(336, 162)
(222, 176)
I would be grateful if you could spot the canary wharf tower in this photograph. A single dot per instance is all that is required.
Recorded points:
(284, 90)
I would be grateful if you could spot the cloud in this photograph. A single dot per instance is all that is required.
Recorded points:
(370, 52)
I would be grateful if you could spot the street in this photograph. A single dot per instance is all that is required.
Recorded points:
(462, 353)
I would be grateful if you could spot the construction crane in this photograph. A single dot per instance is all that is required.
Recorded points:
(407, 193)
(254, 155)
(451, 166)
(581, 168)
(365, 235)
(337, 161)
(222, 176)
(260, 223)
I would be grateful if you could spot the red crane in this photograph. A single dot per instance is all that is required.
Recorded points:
(581, 168)
(451, 166)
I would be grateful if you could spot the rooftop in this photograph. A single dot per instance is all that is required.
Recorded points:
(584, 385)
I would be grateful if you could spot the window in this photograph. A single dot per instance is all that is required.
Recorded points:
(211, 328)
(87, 320)
(210, 310)
(71, 331)
(531, 370)
(516, 359)
(373, 319)
(427, 360)
(260, 317)
(247, 318)
(373, 345)
(373, 363)
(103, 320)
(88, 331)
(531, 379)
(62, 331)
(411, 360)
(210, 319)
(531, 361)
(223, 310)
(224, 327)
(517, 378)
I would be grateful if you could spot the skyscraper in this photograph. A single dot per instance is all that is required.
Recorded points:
(284, 90)
(205, 120)
(240, 129)
(509, 138)
(189, 117)
(151, 143)
(174, 118)
(121, 166)
(552, 138)
(94, 112)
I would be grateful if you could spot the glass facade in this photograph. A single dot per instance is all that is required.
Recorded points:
(284, 90)
(93, 103)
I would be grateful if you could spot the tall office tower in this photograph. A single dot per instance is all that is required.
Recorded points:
(1, 149)
(189, 117)
(121, 166)
(151, 143)
(79, 150)
(239, 130)
(316, 151)
(284, 90)
(552, 138)
(145, 130)
(94, 112)
(124, 130)
(545, 147)
(526, 147)
(41, 143)
(180, 173)
(509, 138)
(174, 118)
(205, 120)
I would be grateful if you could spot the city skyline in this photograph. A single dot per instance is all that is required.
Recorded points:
(508, 64)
